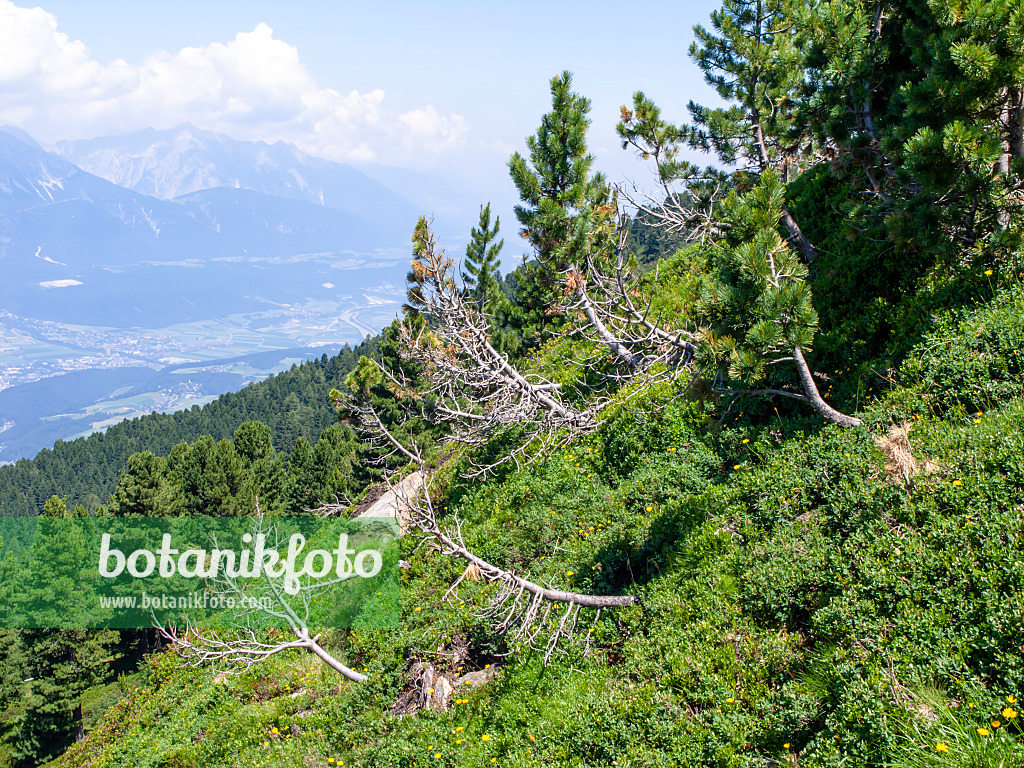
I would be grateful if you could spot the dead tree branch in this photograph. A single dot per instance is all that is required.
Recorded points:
(471, 388)
(527, 613)
(266, 598)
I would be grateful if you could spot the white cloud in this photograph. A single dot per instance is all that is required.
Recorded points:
(253, 87)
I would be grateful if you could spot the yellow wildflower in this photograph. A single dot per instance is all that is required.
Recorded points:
(485, 737)
(983, 731)
(941, 747)
(1010, 714)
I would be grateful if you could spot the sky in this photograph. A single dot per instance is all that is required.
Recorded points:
(449, 87)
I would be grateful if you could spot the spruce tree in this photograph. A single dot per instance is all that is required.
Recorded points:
(480, 268)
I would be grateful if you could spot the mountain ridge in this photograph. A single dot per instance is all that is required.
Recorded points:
(170, 164)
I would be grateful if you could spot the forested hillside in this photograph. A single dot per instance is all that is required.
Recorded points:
(85, 471)
(757, 501)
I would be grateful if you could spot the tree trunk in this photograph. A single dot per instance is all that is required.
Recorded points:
(79, 725)
(332, 662)
(494, 573)
(1015, 122)
(764, 161)
(1011, 116)
(797, 236)
(1012, 121)
(814, 397)
(616, 347)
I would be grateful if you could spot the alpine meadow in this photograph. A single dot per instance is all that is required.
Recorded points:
(727, 472)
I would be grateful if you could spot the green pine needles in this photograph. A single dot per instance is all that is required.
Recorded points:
(757, 302)
(755, 305)
(480, 268)
(563, 207)
(556, 184)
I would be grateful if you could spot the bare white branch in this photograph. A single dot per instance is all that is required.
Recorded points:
(249, 642)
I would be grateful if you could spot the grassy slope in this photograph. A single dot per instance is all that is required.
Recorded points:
(802, 603)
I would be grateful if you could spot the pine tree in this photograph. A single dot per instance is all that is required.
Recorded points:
(59, 665)
(751, 58)
(208, 478)
(959, 142)
(928, 97)
(267, 471)
(755, 305)
(852, 57)
(562, 203)
(143, 489)
(480, 269)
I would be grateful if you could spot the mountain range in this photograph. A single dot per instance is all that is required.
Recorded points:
(182, 248)
(173, 163)
(98, 216)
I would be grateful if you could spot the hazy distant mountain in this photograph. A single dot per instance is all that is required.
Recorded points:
(264, 225)
(110, 282)
(54, 214)
(78, 248)
(20, 135)
(177, 162)
(432, 195)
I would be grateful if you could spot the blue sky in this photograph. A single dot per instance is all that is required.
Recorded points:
(447, 87)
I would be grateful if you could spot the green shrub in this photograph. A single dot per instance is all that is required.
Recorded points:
(972, 360)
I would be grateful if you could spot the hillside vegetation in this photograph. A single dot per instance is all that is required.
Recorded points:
(755, 498)
(85, 471)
